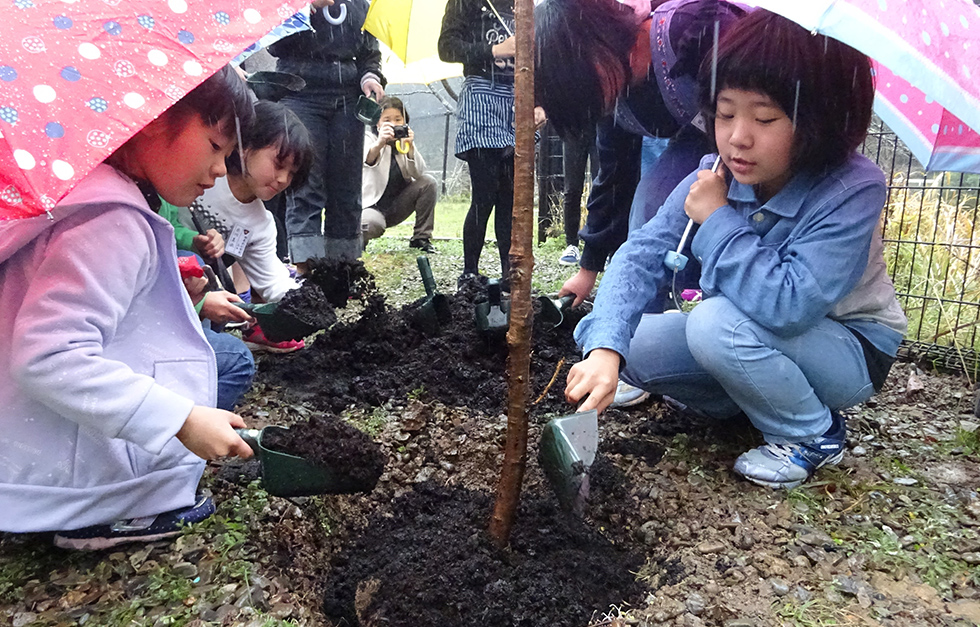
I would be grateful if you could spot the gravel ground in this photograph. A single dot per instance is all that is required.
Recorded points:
(889, 537)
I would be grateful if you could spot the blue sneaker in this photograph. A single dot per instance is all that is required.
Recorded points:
(789, 465)
(145, 529)
(570, 256)
(627, 395)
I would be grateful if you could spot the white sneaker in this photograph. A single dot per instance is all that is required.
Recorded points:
(569, 257)
(627, 395)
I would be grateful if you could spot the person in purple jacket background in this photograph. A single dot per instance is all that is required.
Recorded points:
(800, 318)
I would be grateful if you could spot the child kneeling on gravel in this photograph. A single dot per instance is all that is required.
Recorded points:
(800, 318)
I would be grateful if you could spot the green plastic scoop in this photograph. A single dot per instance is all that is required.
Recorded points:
(493, 315)
(288, 475)
(565, 452)
(278, 326)
(553, 309)
(435, 310)
(367, 110)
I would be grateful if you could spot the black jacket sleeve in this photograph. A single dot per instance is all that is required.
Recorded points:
(607, 222)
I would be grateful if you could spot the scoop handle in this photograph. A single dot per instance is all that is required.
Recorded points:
(251, 437)
(426, 271)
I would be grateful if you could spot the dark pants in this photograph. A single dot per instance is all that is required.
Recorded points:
(334, 185)
(492, 183)
(578, 151)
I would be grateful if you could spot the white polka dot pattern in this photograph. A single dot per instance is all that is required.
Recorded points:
(80, 77)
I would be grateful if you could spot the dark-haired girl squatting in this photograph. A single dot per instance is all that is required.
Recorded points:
(800, 319)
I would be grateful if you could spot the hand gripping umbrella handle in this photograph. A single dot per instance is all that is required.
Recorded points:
(216, 264)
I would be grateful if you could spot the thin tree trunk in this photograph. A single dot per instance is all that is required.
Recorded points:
(521, 264)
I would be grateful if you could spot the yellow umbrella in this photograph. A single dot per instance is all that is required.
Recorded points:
(423, 71)
(410, 28)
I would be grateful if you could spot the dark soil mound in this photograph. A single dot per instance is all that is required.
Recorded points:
(329, 442)
(384, 355)
(341, 280)
(308, 305)
(429, 562)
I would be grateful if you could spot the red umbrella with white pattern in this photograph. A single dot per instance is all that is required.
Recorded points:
(80, 77)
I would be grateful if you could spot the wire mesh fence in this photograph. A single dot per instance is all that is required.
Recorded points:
(929, 229)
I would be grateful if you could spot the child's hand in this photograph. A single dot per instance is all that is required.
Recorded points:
(580, 284)
(210, 245)
(220, 307)
(597, 377)
(197, 287)
(708, 194)
(208, 433)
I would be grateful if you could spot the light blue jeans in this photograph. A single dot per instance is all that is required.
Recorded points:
(718, 361)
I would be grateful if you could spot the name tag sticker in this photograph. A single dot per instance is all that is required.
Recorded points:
(237, 240)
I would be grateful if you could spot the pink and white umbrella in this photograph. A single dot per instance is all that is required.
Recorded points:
(80, 77)
(927, 55)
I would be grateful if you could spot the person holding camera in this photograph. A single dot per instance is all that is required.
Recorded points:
(394, 184)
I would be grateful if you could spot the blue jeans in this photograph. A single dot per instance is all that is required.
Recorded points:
(718, 361)
(323, 218)
(235, 367)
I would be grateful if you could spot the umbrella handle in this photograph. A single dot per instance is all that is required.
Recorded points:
(217, 264)
(402, 146)
(336, 21)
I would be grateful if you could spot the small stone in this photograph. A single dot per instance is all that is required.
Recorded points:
(802, 594)
(969, 426)
(906, 481)
(185, 569)
(695, 604)
(779, 587)
(859, 451)
(972, 559)
(711, 546)
(24, 618)
(654, 493)
(739, 622)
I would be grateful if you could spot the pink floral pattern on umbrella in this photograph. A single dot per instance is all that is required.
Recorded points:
(80, 77)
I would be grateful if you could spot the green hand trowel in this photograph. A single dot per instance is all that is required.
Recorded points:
(278, 326)
(565, 452)
(287, 475)
(492, 316)
(553, 309)
(434, 310)
(367, 110)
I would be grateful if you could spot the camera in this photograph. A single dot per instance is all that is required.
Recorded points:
(401, 131)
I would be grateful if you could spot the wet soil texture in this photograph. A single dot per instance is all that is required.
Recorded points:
(312, 307)
(328, 442)
(386, 355)
(429, 563)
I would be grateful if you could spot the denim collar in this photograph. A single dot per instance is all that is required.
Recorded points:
(786, 203)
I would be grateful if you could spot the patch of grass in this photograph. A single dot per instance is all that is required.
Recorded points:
(969, 441)
(813, 613)
(370, 423)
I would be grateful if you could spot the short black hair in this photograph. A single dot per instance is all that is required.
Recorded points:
(582, 50)
(825, 86)
(219, 100)
(277, 125)
(392, 102)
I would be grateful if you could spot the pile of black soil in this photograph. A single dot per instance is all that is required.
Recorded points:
(331, 443)
(308, 305)
(429, 562)
(341, 280)
(384, 355)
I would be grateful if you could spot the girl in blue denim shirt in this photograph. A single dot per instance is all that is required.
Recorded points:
(800, 318)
